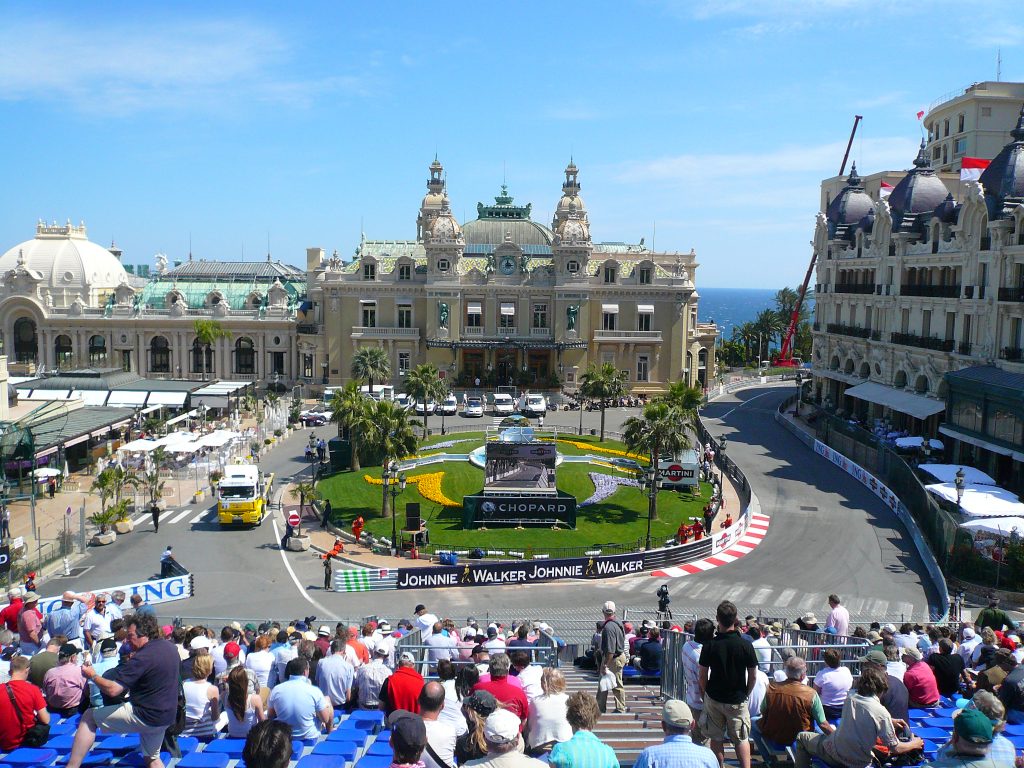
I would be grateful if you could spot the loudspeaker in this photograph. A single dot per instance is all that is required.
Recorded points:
(412, 516)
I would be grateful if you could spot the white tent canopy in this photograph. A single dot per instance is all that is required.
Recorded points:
(188, 447)
(999, 525)
(218, 438)
(139, 446)
(981, 500)
(917, 442)
(947, 473)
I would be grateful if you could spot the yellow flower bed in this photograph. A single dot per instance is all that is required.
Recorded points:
(601, 449)
(429, 486)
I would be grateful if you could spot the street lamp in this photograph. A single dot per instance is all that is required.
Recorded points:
(723, 441)
(323, 365)
(650, 483)
(202, 413)
(960, 481)
(394, 483)
(312, 456)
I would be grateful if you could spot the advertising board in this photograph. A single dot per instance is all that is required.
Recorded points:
(520, 467)
(525, 509)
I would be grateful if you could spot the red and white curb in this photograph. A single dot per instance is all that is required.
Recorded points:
(757, 529)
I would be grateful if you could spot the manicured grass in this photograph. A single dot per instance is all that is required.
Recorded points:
(621, 518)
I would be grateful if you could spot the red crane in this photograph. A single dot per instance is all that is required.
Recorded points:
(785, 359)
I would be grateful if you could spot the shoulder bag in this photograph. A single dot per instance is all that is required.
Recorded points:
(38, 734)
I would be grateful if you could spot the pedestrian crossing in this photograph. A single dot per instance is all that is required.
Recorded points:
(189, 516)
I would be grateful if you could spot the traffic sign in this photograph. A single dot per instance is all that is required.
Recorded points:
(293, 519)
(674, 472)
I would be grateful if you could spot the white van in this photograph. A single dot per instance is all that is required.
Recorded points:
(532, 405)
(502, 404)
(378, 391)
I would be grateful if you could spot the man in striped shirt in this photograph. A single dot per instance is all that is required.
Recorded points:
(678, 749)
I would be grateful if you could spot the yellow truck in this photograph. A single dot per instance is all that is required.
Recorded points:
(243, 495)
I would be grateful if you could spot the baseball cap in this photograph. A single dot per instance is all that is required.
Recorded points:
(233, 650)
(609, 607)
(972, 725)
(324, 631)
(420, 607)
(381, 650)
(200, 641)
(68, 650)
(408, 733)
(384, 627)
(912, 652)
(875, 657)
(890, 628)
(501, 727)
(492, 631)
(675, 712)
(468, 633)
(249, 627)
(968, 633)
(108, 644)
(481, 702)
(407, 657)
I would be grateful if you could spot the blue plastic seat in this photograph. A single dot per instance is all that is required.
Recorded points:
(138, 760)
(323, 761)
(945, 723)
(1017, 741)
(381, 761)
(121, 743)
(932, 734)
(61, 742)
(72, 719)
(356, 737)
(94, 759)
(187, 745)
(380, 748)
(374, 715)
(31, 756)
(346, 749)
(230, 747)
(204, 760)
(1014, 730)
(63, 727)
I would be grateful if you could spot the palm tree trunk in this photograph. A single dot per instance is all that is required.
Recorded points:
(385, 506)
(426, 415)
(354, 465)
(602, 420)
(655, 456)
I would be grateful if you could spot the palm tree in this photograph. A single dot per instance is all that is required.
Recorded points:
(769, 326)
(305, 491)
(350, 409)
(659, 429)
(392, 435)
(683, 398)
(208, 333)
(747, 333)
(372, 364)
(111, 485)
(602, 383)
(423, 383)
(151, 481)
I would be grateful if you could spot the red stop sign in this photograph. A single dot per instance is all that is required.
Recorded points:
(674, 472)
(293, 519)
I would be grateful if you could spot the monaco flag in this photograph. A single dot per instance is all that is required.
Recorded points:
(971, 168)
(884, 191)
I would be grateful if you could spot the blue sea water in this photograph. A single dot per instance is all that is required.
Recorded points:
(730, 307)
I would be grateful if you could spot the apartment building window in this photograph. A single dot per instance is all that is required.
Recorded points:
(965, 330)
(959, 147)
(945, 153)
(960, 124)
(643, 368)
(404, 359)
(1015, 332)
(369, 315)
(936, 152)
(945, 127)
(405, 271)
(905, 321)
(474, 314)
(950, 325)
(926, 323)
(404, 316)
(540, 315)
(644, 276)
(644, 314)
(609, 274)
(609, 315)
(839, 313)
(369, 271)
(507, 318)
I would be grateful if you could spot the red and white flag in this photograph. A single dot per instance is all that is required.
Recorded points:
(971, 168)
(920, 114)
(884, 190)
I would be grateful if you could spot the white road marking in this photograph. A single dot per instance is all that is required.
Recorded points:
(139, 518)
(726, 414)
(180, 515)
(196, 519)
(295, 579)
(785, 598)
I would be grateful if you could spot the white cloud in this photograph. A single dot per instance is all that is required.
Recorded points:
(124, 68)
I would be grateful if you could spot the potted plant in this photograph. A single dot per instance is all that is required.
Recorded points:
(304, 492)
(104, 519)
(151, 481)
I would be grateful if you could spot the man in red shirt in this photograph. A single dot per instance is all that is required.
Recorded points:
(919, 679)
(508, 695)
(402, 689)
(698, 530)
(29, 704)
(9, 615)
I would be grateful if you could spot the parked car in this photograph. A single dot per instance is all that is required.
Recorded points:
(449, 406)
(426, 408)
(474, 408)
(314, 417)
(502, 404)
(403, 400)
(532, 405)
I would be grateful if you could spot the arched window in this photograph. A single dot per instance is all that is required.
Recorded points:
(197, 358)
(97, 349)
(245, 356)
(159, 355)
(215, 298)
(62, 350)
(26, 345)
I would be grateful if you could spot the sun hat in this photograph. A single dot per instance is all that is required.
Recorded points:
(501, 727)
(324, 631)
(809, 618)
(912, 652)
(200, 642)
(30, 597)
(875, 657)
(675, 712)
(874, 637)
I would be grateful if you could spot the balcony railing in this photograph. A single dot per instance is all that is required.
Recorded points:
(968, 291)
(309, 328)
(964, 348)
(473, 330)
(854, 288)
(876, 335)
(924, 342)
(848, 330)
(935, 291)
(603, 335)
(383, 332)
(543, 333)
(1011, 294)
(1011, 353)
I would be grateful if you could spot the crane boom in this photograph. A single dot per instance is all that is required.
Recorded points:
(785, 357)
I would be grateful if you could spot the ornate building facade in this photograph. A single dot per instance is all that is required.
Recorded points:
(505, 300)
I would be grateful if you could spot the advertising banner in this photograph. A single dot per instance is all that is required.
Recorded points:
(153, 592)
(525, 509)
(484, 574)
(5, 560)
(520, 466)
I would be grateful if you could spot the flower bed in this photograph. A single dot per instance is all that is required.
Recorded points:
(605, 486)
(601, 449)
(429, 486)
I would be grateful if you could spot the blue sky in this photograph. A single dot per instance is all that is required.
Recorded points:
(709, 123)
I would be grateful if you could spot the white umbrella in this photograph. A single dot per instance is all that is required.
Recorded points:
(999, 525)
(46, 472)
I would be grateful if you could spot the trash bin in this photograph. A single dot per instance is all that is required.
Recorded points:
(593, 432)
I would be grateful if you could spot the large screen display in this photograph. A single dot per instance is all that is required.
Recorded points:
(520, 466)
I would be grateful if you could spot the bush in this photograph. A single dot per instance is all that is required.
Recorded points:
(278, 432)
(267, 441)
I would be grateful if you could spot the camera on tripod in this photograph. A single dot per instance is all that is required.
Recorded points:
(663, 598)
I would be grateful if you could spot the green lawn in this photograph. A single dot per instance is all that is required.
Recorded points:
(620, 518)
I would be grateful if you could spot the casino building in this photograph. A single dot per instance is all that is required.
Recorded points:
(508, 300)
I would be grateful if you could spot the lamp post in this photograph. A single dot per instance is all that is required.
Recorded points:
(312, 456)
(723, 441)
(202, 414)
(323, 367)
(394, 483)
(960, 481)
(650, 482)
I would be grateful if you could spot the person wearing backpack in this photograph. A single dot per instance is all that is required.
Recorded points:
(24, 719)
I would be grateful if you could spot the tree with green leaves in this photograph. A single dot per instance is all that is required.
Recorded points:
(350, 409)
(602, 383)
(660, 429)
(392, 435)
(423, 384)
(768, 325)
(684, 398)
(208, 333)
(151, 481)
(371, 364)
(111, 485)
(305, 491)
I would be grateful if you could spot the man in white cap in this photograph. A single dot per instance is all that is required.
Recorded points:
(501, 735)
(612, 656)
(678, 749)
(970, 642)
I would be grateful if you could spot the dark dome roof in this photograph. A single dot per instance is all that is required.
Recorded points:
(1003, 180)
(947, 211)
(850, 205)
(867, 221)
(920, 191)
